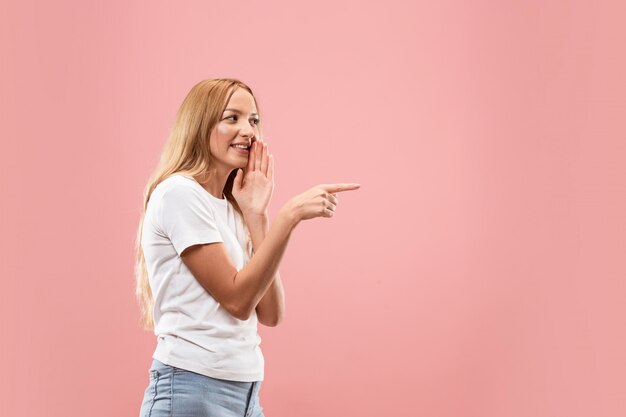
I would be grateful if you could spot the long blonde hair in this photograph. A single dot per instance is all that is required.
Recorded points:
(187, 152)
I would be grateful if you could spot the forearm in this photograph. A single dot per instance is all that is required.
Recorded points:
(257, 278)
(271, 308)
(258, 225)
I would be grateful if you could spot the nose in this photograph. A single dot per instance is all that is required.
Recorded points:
(247, 131)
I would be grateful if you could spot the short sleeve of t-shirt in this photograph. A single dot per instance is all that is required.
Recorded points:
(187, 218)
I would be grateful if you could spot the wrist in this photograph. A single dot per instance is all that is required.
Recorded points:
(258, 226)
(290, 214)
(254, 217)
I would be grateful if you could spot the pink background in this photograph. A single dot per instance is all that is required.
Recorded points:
(479, 271)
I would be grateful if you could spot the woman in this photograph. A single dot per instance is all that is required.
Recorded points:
(207, 258)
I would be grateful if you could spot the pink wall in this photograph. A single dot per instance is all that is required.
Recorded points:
(479, 270)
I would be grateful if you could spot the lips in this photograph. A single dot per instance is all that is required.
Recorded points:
(239, 150)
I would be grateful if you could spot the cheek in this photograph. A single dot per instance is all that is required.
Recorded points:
(224, 131)
(222, 136)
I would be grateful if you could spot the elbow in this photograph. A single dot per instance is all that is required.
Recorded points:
(273, 320)
(237, 310)
(240, 313)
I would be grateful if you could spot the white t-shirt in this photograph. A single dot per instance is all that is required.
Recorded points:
(194, 331)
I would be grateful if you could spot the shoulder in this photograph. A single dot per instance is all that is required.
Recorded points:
(177, 180)
(179, 194)
(182, 201)
(176, 186)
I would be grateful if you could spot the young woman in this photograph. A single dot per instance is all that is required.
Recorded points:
(207, 257)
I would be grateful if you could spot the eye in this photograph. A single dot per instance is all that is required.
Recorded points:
(255, 120)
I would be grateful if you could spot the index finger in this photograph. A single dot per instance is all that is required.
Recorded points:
(337, 188)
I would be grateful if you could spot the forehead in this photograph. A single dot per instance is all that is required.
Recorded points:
(242, 100)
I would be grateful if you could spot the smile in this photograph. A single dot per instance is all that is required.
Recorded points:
(241, 150)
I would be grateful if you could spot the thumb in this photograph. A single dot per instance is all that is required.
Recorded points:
(238, 181)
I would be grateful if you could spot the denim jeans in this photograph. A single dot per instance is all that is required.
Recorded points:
(175, 392)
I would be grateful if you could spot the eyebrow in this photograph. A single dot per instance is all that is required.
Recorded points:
(240, 112)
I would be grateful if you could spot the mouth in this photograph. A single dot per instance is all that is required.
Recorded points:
(244, 150)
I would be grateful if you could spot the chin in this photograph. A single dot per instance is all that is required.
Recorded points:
(238, 165)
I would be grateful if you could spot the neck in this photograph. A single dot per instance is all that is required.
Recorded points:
(216, 182)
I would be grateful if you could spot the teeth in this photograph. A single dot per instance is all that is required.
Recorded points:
(239, 146)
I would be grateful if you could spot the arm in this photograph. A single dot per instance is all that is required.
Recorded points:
(239, 292)
(271, 309)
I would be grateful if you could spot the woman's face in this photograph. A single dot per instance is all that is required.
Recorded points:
(238, 125)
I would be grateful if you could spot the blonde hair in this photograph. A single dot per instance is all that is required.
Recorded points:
(187, 152)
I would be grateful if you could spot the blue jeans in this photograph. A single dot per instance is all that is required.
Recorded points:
(175, 392)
